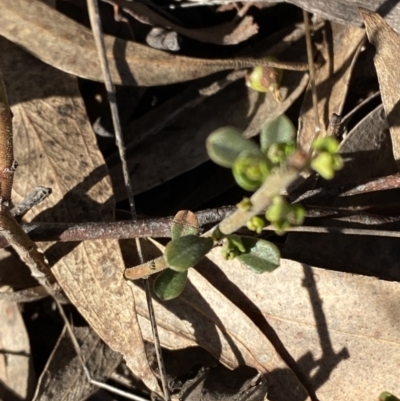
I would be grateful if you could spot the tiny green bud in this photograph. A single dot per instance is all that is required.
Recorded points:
(279, 152)
(266, 79)
(250, 170)
(245, 204)
(326, 164)
(326, 144)
(256, 224)
(282, 215)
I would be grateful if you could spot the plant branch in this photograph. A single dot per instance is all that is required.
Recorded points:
(7, 163)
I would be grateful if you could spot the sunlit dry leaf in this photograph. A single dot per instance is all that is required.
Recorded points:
(55, 146)
(230, 33)
(63, 376)
(151, 162)
(387, 43)
(331, 80)
(367, 150)
(202, 316)
(68, 46)
(16, 374)
(341, 329)
(346, 11)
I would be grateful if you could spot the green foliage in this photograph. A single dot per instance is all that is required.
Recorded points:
(278, 131)
(260, 256)
(256, 223)
(386, 396)
(232, 246)
(283, 215)
(185, 252)
(226, 144)
(328, 160)
(169, 284)
(250, 170)
(179, 230)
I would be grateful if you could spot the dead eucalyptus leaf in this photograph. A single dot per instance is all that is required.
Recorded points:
(202, 316)
(68, 46)
(63, 376)
(345, 11)
(341, 329)
(230, 33)
(331, 80)
(17, 378)
(367, 150)
(387, 43)
(55, 146)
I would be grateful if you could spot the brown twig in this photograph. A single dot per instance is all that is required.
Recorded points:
(7, 162)
(96, 26)
(11, 230)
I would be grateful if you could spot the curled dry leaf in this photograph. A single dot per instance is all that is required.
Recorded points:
(63, 376)
(341, 329)
(387, 43)
(68, 46)
(55, 147)
(203, 316)
(230, 33)
(331, 80)
(345, 11)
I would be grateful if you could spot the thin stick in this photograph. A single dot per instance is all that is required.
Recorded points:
(77, 348)
(95, 23)
(310, 57)
(7, 163)
(37, 195)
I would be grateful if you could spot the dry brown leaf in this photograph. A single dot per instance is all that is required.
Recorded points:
(387, 43)
(68, 46)
(17, 378)
(203, 316)
(342, 329)
(63, 376)
(55, 146)
(331, 80)
(345, 11)
(152, 162)
(367, 150)
(230, 33)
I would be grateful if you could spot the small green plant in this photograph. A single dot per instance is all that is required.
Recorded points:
(267, 169)
(386, 396)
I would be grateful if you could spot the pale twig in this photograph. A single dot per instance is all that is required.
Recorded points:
(276, 182)
(95, 23)
(310, 57)
(37, 195)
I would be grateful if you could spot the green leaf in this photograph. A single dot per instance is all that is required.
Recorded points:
(386, 396)
(169, 284)
(185, 252)
(280, 130)
(225, 144)
(250, 170)
(261, 256)
(185, 223)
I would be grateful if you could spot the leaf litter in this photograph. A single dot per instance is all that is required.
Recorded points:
(338, 351)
